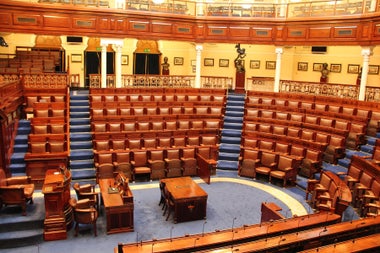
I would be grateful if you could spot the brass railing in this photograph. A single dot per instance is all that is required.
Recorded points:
(235, 8)
(175, 81)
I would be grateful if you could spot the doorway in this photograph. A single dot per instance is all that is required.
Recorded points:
(146, 64)
(92, 64)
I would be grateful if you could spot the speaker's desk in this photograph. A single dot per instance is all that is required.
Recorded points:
(190, 200)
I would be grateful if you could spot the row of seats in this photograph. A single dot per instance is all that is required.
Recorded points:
(154, 143)
(47, 143)
(172, 125)
(329, 193)
(122, 112)
(31, 99)
(309, 161)
(48, 125)
(156, 163)
(322, 107)
(322, 123)
(363, 179)
(155, 90)
(271, 164)
(156, 98)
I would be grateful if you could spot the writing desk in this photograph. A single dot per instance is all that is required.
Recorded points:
(190, 200)
(119, 209)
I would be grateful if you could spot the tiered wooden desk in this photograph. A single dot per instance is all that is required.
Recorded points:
(58, 213)
(189, 198)
(119, 209)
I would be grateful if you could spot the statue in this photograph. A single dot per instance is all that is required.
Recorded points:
(239, 59)
(324, 73)
(165, 66)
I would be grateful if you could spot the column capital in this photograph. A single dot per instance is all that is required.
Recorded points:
(199, 47)
(279, 50)
(367, 51)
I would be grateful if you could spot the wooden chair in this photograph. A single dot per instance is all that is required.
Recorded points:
(140, 164)
(189, 162)
(285, 170)
(84, 213)
(87, 191)
(157, 164)
(173, 163)
(311, 164)
(17, 190)
(268, 162)
(122, 164)
(248, 161)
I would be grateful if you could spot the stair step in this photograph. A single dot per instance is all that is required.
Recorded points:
(24, 130)
(367, 148)
(20, 148)
(227, 165)
(80, 114)
(81, 154)
(78, 108)
(24, 123)
(83, 173)
(27, 237)
(80, 121)
(238, 114)
(17, 168)
(80, 137)
(231, 133)
(345, 162)
(231, 140)
(80, 164)
(232, 125)
(233, 120)
(80, 129)
(232, 148)
(18, 158)
(21, 139)
(80, 145)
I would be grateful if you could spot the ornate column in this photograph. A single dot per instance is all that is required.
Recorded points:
(366, 53)
(279, 51)
(118, 66)
(199, 49)
(104, 66)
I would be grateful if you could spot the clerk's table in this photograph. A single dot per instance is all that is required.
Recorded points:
(190, 200)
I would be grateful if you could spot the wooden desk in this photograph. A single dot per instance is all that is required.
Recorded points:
(189, 198)
(270, 211)
(58, 213)
(119, 209)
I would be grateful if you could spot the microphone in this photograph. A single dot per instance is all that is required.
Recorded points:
(268, 226)
(233, 221)
(281, 240)
(298, 225)
(171, 231)
(152, 247)
(203, 228)
(195, 241)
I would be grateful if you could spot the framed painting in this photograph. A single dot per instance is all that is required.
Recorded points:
(270, 65)
(76, 58)
(335, 68)
(373, 69)
(302, 66)
(224, 62)
(124, 60)
(209, 62)
(178, 60)
(254, 64)
(353, 68)
(317, 66)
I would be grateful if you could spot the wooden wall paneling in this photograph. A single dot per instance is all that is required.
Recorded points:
(319, 32)
(240, 31)
(162, 27)
(56, 21)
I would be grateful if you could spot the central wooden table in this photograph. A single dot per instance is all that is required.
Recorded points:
(119, 209)
(190, 200)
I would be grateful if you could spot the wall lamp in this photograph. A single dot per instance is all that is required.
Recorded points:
(3, 43)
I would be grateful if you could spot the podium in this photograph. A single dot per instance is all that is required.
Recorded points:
(240, 82)
(58, 213)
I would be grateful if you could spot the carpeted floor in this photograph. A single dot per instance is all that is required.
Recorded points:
(232, 201)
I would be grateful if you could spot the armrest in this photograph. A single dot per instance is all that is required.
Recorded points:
(324, 197)
(18, 180)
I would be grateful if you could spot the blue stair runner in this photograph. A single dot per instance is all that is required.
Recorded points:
(81, 151)
(229, 149)
(20, 147)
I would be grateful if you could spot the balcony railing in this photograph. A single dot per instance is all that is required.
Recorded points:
(235, 8)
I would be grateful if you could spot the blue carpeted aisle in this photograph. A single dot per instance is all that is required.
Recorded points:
(229, 149)
(81, 151)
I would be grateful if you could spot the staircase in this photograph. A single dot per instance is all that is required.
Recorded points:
(20, 147)
(81, 152)
(229, 149)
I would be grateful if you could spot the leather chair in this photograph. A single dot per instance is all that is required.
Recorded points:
(268, 161)
(140, 164)
(157, 164)
(87, 191)
(285, 170)
(84, 213)
(370, 199)
(16, 191)
(122, 164)
(105, 170)
(189, 162)
(311, 164)
(248, 161)
(173, 163)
